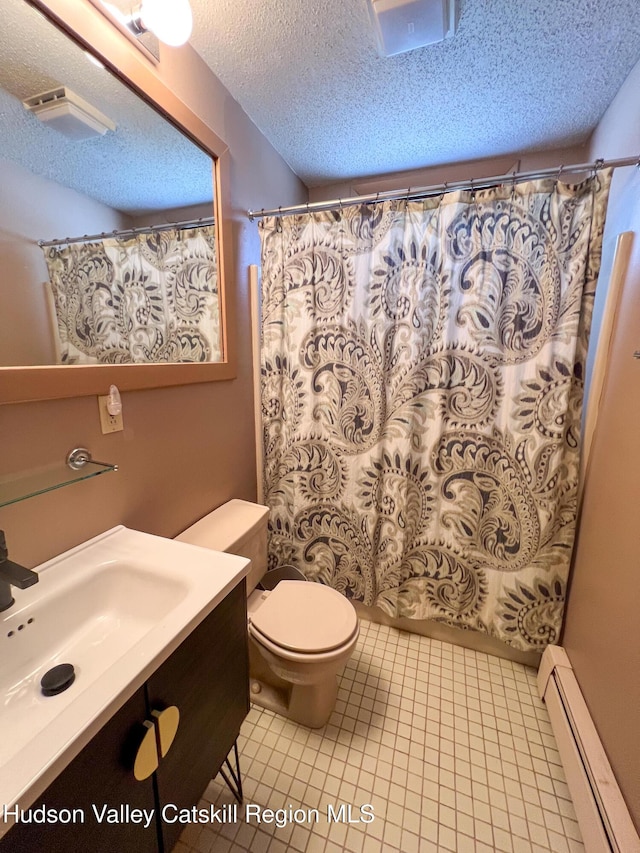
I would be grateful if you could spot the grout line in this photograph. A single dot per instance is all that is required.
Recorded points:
(452, 747)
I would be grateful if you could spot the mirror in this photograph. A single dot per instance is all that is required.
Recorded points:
(118, 307)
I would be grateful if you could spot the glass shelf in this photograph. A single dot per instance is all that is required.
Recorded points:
(19, 487)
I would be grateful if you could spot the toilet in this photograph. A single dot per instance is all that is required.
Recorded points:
(300, 633)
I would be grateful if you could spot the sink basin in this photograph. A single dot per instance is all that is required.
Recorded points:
(115, 608)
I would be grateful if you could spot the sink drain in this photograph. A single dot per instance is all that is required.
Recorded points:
(57, 680)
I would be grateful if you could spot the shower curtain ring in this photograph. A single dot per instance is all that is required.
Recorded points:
(445, 187)
(560, 170)
(596, 168)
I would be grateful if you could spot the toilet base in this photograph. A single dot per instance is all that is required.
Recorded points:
(310, 705)
(269, 697)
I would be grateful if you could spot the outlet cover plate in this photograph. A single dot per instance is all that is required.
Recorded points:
(108, 423)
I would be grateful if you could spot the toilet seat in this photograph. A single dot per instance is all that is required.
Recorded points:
(304, 618)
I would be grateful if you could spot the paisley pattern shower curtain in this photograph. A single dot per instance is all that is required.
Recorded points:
(422, 381)
(144, 299)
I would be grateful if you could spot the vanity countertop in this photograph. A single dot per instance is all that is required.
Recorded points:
(115, 607)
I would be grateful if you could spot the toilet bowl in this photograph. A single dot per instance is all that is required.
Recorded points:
(300, 633)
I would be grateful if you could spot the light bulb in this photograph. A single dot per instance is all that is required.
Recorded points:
(170, 20)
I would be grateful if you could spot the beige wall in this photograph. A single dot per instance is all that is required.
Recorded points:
(602, 625)
(174, 214)
(31, 209)
(184, 450)
(476, 169)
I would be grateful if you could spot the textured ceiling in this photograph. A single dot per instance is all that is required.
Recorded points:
(145, 165)
(519, 75)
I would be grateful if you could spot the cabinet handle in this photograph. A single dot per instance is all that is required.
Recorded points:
(146, 761)
(167, 721)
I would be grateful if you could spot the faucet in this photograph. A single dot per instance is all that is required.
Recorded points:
(11, 574)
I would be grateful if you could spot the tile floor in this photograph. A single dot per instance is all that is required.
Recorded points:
(452, 748)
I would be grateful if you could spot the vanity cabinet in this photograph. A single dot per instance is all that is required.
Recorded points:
(207, 679)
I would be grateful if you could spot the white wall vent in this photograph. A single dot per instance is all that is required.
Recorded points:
(403, 25)
(69, 114)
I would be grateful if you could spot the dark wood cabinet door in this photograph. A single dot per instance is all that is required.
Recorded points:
(207, 678)
(100, 775)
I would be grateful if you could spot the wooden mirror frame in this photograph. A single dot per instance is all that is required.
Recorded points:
(85, 25)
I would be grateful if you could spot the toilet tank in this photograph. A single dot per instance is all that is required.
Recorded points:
(237, 527)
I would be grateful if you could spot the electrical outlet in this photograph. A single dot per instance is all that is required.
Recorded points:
(109, 423)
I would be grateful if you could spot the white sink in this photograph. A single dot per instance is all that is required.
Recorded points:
(115, 608)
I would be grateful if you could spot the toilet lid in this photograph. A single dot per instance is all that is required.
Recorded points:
(305, 617)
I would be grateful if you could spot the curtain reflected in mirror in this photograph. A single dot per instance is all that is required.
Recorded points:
(93, 158)
(140, 298)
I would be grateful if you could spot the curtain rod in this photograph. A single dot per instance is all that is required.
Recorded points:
(438, 189)
(130, 232)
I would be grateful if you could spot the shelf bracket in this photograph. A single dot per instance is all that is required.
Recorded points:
(81, 456)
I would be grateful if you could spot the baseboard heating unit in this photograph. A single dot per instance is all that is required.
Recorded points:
(602, 814)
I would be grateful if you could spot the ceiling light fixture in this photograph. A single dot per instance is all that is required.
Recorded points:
(170, 20)
(148, 22)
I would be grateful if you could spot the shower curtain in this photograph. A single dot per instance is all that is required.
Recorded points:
(422, 381)
(143, 299)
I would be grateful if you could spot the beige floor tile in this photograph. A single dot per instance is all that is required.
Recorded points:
(452, 749)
